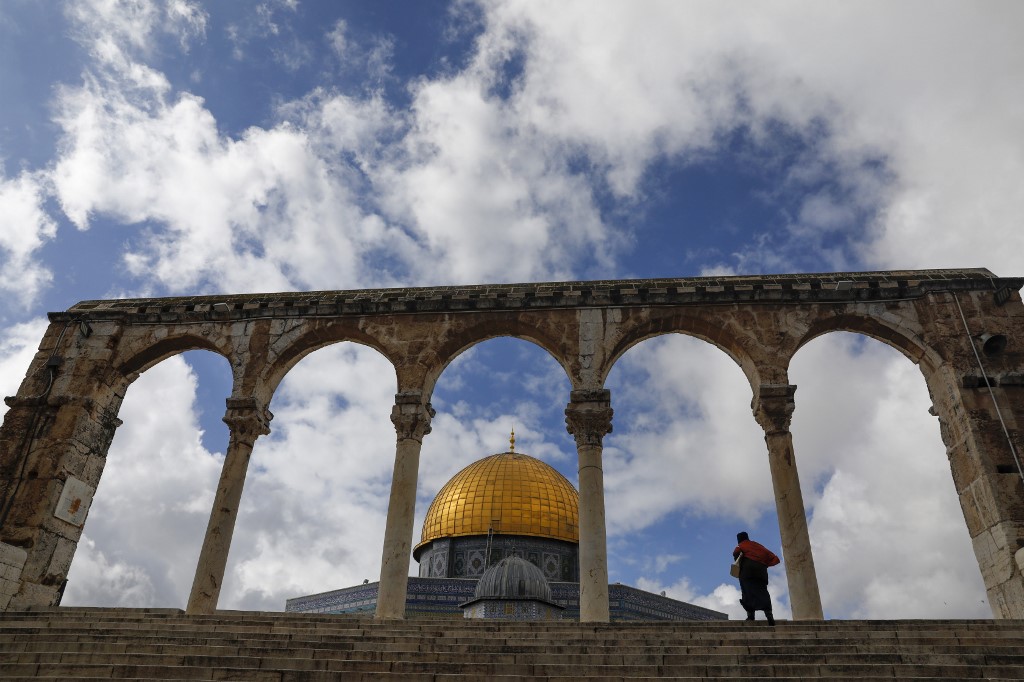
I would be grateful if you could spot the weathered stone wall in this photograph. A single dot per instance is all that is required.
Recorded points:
(55, 436)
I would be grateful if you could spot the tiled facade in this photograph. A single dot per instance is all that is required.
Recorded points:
(440, 598)
(465, 557)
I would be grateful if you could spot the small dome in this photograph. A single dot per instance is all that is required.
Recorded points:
(512, 493)
(513, 578)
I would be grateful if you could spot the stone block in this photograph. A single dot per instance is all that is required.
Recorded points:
(39, 558)
(10, 586)
(994, 558)
(33, 594)
(12, 556)
(10, 573)
(1007, 598)
(60, 562)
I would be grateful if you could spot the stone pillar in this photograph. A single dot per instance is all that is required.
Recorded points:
(53, 453)
(588, 417)
(411, 417)
(988, 480)
(773, 409)
(247, 421)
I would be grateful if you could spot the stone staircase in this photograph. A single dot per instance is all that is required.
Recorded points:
(98, 643)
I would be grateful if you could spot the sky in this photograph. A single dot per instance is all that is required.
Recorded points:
(179, 147)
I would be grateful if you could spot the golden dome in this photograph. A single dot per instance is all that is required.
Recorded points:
(514, 493)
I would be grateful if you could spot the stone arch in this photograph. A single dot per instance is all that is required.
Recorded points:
(863, 439)
(114, 378)
(308, 343)
(703, 481)
(316, 446)
(458, 343)
(586, 326)
(166, 467)
(907, 342)
(158, 351)
(896, 336)
(696, 326)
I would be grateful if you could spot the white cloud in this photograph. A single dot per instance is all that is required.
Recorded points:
(899, 123)
(493, 172)
(146, 525)
(872, 467)
(489, 200)
(725, 598)
(264, 212)
(313, 510)
(888, 534)
(118, 33)
(498, 173)
(25, 228)
(98, 580)
(684, 438)
(18, 345)
(268, 25)
(282, 207)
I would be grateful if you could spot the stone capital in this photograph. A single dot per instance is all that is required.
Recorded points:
(588, 416)
(247, 419)
(773, 407)
(411, 416)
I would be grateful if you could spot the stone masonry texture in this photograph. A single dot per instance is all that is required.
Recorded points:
(64, 415)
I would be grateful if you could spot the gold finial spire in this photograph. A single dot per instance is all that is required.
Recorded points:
(512, 441)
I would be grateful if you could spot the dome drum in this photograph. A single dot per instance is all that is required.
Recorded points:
(466, 557)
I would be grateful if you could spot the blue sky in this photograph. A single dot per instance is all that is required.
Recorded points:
(167, 148)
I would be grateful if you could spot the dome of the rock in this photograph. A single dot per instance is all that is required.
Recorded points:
(501, 540)
(509, 493)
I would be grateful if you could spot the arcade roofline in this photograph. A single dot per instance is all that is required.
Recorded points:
(807, 288)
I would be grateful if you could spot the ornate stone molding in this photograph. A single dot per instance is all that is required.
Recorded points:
(773, 407)
(411, 416)
(588, 416)
(247, 419)
(835, 286)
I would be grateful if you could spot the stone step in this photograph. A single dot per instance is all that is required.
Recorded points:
(144, 670)
(882, 628)
(311, 638)
(313, 659)
(284, 620)
(77, 644)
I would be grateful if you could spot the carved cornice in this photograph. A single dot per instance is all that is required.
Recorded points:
(797, 288)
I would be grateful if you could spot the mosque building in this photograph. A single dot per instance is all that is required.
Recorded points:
(501, 539)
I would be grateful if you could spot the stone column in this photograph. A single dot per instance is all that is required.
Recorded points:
(773, 409)
(411, 417)
(588, 417)
(247, 421)
(988, 481)
(53, 452)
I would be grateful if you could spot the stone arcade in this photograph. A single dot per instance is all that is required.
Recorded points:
(962, 327)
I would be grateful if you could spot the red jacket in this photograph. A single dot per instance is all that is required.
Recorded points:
(756, 552)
